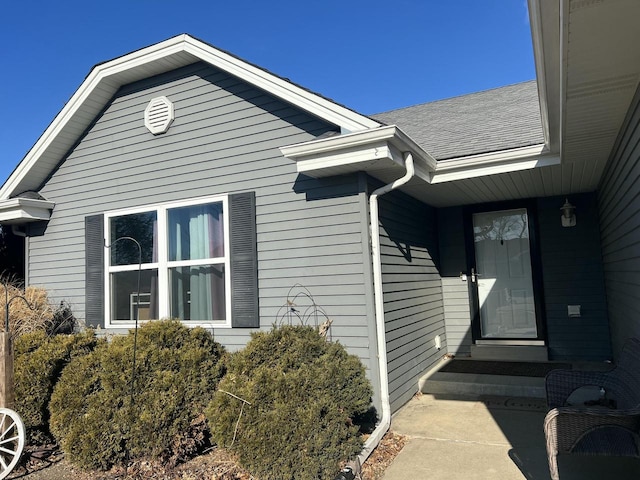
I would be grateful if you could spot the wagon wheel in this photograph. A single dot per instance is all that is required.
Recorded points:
(12, 437)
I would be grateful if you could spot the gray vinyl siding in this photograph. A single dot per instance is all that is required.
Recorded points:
(224, 140)
(619, 209)
(455, 291)
(412, 292)
(573, 275)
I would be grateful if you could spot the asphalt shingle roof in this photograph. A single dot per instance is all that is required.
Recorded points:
(488, 121)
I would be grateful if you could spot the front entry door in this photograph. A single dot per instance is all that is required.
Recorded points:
(502, 276)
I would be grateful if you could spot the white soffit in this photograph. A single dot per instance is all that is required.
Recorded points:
(601, 70)
(105, 79)
(588, 70)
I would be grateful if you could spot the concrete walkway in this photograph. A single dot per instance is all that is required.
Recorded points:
(486, 438)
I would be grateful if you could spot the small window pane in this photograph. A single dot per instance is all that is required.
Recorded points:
(198, 293)
(124, 295)
(196, 232)
(140, 226)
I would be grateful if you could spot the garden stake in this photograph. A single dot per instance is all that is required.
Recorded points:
(135, 331)
(235, 431)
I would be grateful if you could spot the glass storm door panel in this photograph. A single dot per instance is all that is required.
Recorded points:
(503, 274)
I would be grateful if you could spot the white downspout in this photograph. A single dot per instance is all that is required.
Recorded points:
(385, 422)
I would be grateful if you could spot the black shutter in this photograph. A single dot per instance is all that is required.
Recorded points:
(244, 260)
(94, 270)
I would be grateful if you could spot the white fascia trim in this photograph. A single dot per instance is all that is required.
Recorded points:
(535, 20)
(494, 163)
(352, 156)
(348, 120)
(564, 68)
(340, 142)
(54, 129)
(351, 149)
(23, 210)
(107, 74)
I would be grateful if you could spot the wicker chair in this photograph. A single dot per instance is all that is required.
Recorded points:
(595, 430)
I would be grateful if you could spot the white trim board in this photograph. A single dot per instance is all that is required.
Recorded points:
(105, 79)
(378, 151)
(23, 210)
(494, 163)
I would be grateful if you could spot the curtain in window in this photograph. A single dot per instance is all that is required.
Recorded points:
(197, 233)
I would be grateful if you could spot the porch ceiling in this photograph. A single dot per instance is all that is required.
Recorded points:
(601, 73)
(588, 70)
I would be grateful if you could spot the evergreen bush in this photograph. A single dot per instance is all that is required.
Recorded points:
(99, 423)
(38, 362)
(303, 394)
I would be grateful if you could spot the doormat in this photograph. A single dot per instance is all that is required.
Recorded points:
(492, 367)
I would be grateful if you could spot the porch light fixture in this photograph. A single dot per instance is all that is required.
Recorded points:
(568, 214)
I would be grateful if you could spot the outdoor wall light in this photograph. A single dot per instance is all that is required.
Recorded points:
(568, 214)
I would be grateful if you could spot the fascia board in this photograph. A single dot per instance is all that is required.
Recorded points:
(337, 142)
(136, 65)
(564, 59)
(357, 149)
(95, 78)
(548, 33)
(405, 143)
(55, 128)
(19, 210)
(389, 133)
(333, 113)
(535, 21)
(494, 163)
(355, 157)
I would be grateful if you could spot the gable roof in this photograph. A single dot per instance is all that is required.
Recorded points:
(106, 78)
(489, 121)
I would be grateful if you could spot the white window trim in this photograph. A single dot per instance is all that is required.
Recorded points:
(163, 264)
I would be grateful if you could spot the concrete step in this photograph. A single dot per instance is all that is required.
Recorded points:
(446, 383)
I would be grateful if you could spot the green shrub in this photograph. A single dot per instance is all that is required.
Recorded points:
(304, 393)
(38, 363)
(99, 423)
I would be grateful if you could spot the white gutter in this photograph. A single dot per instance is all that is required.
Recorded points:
(504, 161)
(385, 422)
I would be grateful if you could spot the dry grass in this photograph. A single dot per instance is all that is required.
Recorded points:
(38, 314)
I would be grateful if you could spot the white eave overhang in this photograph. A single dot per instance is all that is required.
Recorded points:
(105, 79)
(493, 163)
(24, 210)
(377, 151)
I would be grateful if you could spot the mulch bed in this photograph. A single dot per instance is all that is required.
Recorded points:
(47, 463)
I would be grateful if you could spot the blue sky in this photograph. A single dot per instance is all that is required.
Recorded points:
(370, 55)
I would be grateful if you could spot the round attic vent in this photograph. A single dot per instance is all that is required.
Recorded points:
(158, 115)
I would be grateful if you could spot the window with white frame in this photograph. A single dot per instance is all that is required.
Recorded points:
(184, 263)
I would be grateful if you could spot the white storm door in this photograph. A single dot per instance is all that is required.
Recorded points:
(503, 274)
